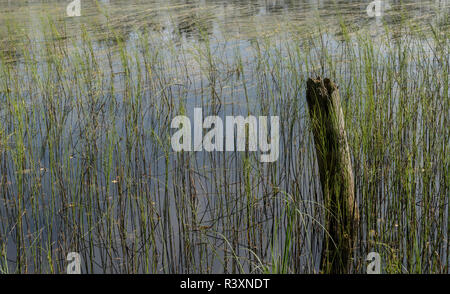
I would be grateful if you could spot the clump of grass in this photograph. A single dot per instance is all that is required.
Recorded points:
(86, 163)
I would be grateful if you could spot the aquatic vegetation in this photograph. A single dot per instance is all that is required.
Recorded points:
(86, 162)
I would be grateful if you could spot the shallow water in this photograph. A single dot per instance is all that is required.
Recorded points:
(221, 18)
(194, 199)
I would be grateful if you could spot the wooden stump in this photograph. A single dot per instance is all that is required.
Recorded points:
(336, 176)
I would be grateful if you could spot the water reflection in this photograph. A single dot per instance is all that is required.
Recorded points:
(189, 21)
(192, 18)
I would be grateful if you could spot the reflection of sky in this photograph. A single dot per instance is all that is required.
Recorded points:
(187, 20)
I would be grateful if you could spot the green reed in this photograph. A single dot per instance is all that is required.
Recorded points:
(86, 163)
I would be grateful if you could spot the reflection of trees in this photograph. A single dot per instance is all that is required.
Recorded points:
(192, 18)
(192, 21)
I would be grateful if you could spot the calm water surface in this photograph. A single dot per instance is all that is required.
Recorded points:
(230, 27)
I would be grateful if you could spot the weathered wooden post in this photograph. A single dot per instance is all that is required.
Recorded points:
(336, 176)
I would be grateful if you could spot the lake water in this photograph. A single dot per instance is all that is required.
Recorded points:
(98, 176)
(220, 18)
